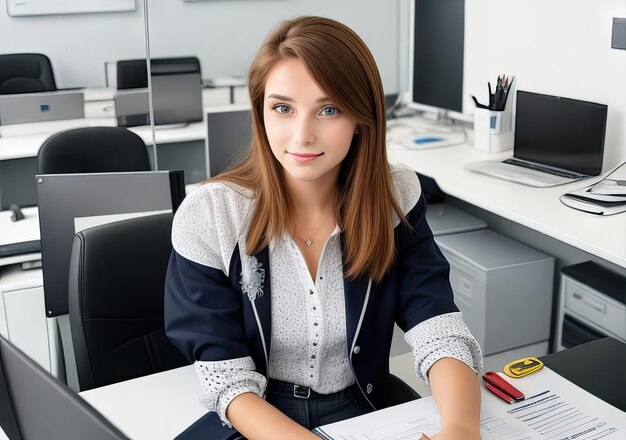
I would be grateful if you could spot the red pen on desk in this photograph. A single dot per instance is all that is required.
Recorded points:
(501, 388)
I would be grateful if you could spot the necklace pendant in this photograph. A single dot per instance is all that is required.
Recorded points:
(308, 242)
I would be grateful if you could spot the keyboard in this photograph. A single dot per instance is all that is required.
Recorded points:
(523, 175)
(533, 166)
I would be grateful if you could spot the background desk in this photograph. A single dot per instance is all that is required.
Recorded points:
(162, 405)
(177, 148)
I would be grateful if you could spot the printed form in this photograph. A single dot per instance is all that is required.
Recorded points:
(555, 409)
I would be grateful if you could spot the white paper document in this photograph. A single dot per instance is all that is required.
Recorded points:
(554, 409)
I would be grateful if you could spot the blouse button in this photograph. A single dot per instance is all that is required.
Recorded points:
(356, 349)
(369, 388)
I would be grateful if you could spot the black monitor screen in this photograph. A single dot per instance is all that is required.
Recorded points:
(560, 132)
(437, 53)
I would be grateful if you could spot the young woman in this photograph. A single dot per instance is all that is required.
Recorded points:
(289, 270)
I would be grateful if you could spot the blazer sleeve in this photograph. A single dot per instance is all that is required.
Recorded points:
(424, 289)
(203, 312)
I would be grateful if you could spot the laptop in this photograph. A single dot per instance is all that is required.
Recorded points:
(177, 99)
(557, 141)
(39, 107)
(35, 405)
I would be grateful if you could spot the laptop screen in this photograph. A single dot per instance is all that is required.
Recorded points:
(560, 132)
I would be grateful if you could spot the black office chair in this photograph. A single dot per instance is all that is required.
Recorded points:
(34, 405)
(116, 283)
(25, 73)
(132, 74)
(93, 150)
(400, 391)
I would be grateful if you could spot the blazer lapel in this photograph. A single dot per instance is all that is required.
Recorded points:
(263, 303)
(355, 292)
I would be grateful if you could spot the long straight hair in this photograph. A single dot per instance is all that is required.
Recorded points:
(343, 67)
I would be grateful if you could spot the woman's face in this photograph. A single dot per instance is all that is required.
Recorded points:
(309, 135)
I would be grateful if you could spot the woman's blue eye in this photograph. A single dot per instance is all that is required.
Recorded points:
(282, 109)
(329, 111)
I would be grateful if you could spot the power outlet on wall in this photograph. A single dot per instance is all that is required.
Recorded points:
(618, 40)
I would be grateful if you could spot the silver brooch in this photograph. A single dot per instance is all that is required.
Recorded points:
(252, 277)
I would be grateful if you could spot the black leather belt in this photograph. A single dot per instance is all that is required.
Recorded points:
(302, 392)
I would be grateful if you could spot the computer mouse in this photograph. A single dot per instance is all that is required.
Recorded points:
(427, 140)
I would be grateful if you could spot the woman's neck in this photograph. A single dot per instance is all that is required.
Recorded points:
(311, 198)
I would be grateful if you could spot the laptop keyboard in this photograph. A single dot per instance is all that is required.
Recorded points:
(533, 166)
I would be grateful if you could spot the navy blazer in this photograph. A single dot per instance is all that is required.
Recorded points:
(209, 318)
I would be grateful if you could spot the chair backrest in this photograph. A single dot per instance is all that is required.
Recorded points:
(35, 405)
(25, 73)
(116, 285)
(93, 150)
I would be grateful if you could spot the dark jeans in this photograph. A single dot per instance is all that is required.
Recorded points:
(318, 409)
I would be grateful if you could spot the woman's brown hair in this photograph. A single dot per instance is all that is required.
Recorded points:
(343, 67)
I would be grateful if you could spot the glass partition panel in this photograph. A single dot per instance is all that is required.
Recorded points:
(82, 47)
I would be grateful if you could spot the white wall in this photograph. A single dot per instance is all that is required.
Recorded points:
(77, 45)
(559, 47)
(224, 34)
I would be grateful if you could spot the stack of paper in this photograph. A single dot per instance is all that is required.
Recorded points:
(606, 197)
(556, 409)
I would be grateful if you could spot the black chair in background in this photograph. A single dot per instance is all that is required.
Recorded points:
(93, 150)
(34, 405)
(25, 73)
(116, 284)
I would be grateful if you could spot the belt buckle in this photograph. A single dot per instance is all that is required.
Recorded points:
(301, 392)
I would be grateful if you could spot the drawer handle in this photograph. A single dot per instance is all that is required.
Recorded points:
(599, 307)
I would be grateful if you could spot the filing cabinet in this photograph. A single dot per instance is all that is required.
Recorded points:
(502, 287)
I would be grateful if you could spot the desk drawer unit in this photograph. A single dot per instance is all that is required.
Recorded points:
(591, 305)
(502, 287)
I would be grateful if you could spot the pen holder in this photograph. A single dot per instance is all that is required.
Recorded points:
(493, 130)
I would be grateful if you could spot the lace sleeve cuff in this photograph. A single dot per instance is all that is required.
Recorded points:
(443, 336)
(222, 381)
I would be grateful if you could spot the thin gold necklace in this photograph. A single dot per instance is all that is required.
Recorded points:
(309, 241)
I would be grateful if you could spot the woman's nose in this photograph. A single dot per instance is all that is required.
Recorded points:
(304, 131)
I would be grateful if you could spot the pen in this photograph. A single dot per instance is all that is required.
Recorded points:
(508, 89)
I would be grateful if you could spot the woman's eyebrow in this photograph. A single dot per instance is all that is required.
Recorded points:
(280, 97)
(288, 99)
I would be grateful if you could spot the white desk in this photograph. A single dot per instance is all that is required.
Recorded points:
(159, 406)
(24, 140)
(536, 208)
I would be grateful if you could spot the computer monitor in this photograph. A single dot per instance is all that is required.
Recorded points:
(229, 136)
(176, 91)
(35, 405)
(72, 202)
(436, 57)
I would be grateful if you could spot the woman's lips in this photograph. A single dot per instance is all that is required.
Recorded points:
(305, 157)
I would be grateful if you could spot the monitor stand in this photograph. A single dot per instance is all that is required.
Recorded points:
(432, 130)
(171, 126)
